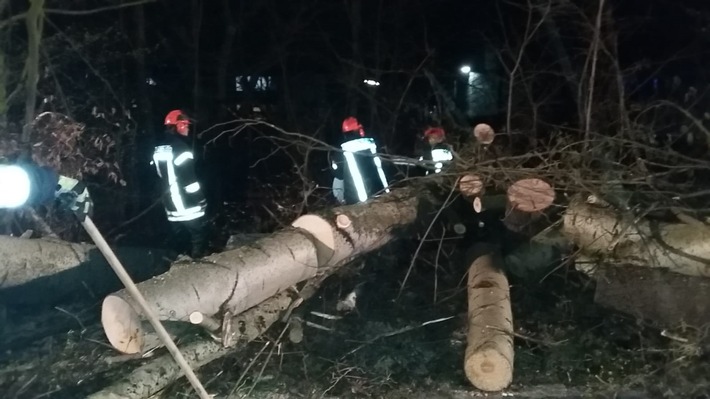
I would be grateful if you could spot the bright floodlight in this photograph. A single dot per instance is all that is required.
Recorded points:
(465, 69)
(16, 186)
(371, 82)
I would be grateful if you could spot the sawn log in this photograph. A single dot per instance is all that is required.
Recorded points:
(34, 271)
(601, 232)
(236, 280)
(488, 361)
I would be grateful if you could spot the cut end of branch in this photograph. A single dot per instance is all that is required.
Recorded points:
(477, 205)
(207, 322)
(122, 325)
(322, 231)
(488, 369)
(343, 221)
(484, 133)
(531, 195)
(471, 185)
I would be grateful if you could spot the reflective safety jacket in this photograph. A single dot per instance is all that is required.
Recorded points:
(182, 194)
(360, 169)
(438, 157)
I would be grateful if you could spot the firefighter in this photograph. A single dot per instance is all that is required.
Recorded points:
(28, 184)
(438, 154)
(183, 199)
(357, 170)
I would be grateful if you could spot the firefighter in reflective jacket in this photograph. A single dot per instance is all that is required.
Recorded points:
(438, 154)
(357, 170)
(28, 184)
(184, 201)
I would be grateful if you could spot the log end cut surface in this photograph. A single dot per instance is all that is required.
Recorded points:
(531, 195)
(484, 133)
(121, 325)
(488, 369)
(322, 231)
(471, 185)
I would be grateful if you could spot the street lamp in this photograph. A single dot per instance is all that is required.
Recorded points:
(465, 69)
(371, 82)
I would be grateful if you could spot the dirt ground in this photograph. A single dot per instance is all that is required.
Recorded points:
(566, 346)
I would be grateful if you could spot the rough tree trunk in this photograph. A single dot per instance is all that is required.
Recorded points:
(34, 21)
(236, 280)
(489, 354)
(601, 232)
(44, 271)
(158, 373)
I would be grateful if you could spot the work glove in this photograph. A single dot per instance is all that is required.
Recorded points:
(339, 190)
(74, 196)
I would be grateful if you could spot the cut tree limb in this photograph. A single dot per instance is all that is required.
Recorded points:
(484, 133)
(157, 373)
(471, 185)
(230, 281)
(236, 280)
(489, 352)
(601, 232)
(528, 199)
(34, 271)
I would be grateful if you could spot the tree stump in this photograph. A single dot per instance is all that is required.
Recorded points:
(489, 353)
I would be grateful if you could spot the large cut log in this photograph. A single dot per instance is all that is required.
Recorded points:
(34, 271)
(156, 374)
(236, 280)
(600, 232)
(489, 352)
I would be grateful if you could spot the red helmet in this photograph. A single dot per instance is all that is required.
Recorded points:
(178, 119)
(435, 132)
(351, 124)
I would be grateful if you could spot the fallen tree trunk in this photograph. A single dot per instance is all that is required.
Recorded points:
(156, 374)
(600, 232)
(236, 280)
(489, 352)
(36, 271)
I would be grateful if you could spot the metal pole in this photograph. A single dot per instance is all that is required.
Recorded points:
(152, 318)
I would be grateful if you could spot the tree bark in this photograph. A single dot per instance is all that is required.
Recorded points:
(34, 271)
(489, 353)
(158, 373)
(34, 22)
(236, 280)
(601, 232)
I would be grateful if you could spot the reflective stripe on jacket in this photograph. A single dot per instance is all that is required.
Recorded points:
(182, 194)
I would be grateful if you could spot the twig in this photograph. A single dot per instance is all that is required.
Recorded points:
(78, 320)
(593, 74)
(421, 242)
(134, 218)
(397, 332)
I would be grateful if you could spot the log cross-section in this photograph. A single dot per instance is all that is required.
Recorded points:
(489, 352)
